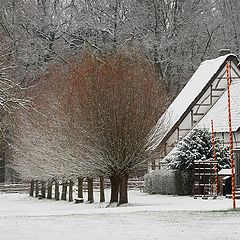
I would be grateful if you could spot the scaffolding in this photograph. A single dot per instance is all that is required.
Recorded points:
(204, 173)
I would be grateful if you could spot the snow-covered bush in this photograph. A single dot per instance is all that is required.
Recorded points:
(197, 145)
(160, 181)
(179, 177)
(168, 181)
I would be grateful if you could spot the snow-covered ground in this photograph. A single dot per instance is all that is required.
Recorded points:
(147, 217)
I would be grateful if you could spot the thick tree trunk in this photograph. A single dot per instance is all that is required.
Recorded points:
(80, 187)
(56, 190)
(43, 189)
(70, 192)
(49, 191)
(64, 191)
(123, 189)
(90, 190)
(36, 189)
(31, 188)
(102, 196)
(114, 188)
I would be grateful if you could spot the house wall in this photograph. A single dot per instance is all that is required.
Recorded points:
(200, 108)
(224, 138)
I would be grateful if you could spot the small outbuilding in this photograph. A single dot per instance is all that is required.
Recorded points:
(224, 181)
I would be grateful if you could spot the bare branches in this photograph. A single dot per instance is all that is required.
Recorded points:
(118, 102)
(164, 30)
(96, 118)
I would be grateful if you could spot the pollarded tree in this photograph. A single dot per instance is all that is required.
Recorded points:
(42, 149)
(94, 118)
(113, 102)
(47, 142)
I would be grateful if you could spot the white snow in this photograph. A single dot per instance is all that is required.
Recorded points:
(227, 172)
(146, 217)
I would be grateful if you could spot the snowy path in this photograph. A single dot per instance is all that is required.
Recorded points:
(146, 218)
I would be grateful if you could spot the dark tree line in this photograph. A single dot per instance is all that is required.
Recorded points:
(175, 35)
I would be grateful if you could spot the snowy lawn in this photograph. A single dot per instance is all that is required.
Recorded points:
(147, 217)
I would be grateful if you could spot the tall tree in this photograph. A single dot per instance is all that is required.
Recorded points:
(114, 103)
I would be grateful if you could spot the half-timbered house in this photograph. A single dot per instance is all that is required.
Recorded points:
(201, 100)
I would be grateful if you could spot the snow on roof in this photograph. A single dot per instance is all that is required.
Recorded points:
(195, 85)
(225, 172)
(219, 112)
(191, 91)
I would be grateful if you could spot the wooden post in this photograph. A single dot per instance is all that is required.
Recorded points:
(214, 158)
(231, 137)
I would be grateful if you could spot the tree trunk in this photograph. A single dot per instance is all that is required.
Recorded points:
(90, 190)
(36, 189)
(43, 189)
(114, 188)
(70, 197)
(56, 190)
(49, 192)
(123, 189)
(102, 196)
(31, 188)
(80, 187)
(64, 191)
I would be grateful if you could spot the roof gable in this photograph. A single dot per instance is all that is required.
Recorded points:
(219, 112)
(191, 93)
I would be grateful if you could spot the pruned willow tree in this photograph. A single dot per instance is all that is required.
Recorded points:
(44, 146)
(92, 118)
(112, 103)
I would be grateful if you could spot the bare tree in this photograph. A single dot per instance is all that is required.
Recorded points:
(170, 32)
(46, 145)
(227, 15)
(176, 36)
(114, 103)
